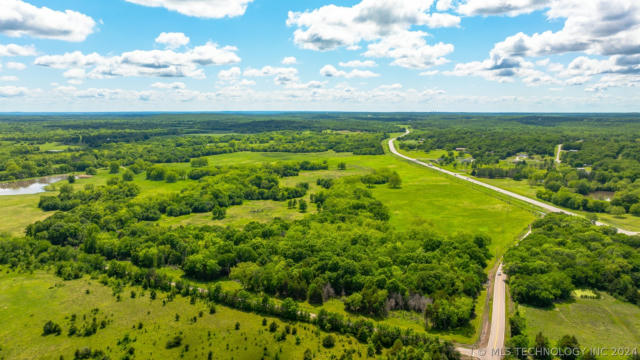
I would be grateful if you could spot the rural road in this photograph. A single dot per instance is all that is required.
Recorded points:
(558, 161)
(495, 346)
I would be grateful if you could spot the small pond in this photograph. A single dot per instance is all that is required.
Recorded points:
(27, 187)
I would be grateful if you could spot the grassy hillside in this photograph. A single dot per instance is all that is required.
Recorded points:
(596, 323)
(29, 301)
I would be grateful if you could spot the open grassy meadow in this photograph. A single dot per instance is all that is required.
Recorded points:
(139, 325)
(18, 211)
(596, 323)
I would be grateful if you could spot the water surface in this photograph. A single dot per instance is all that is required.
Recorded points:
(27, 187)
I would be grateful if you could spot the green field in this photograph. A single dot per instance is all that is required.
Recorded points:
(28, 301)
(18, 211)
(522, 187)
(426, 197)
(601, 323)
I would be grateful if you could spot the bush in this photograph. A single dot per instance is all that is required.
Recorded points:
(174, 342)
(273, 327)
(329, 341)
(127, 175)
(617, 211)
(51, 328)
(114, 168)
(199, 162)
(518, 324)
(218, 213)
(171, 177)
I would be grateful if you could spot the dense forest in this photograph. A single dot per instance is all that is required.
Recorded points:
(565, 253)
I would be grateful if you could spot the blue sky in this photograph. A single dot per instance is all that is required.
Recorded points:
(371, 55)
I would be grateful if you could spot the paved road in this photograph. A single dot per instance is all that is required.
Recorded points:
(495, 346)
(540, 204)
(558, 161)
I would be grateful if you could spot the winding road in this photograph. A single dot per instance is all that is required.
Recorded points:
(495, 346)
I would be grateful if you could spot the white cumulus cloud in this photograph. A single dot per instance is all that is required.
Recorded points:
(331, 71)
(160, 63)
(211, 9)
(16, 50)
(172, 85)
(172, 40)
(358, 63)
(289, 60)
(281, 75)
(12, 91)
(386, 25)
(500, 7)
(18, 18)
(598, 28)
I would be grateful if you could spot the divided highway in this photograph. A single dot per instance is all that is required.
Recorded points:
(495, 346)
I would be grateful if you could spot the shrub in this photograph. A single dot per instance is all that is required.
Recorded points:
(114, 168)
(127, 175)
(174, 342)
(617, 211)
(51, 328)
(328, 341)
(273, 326)
(171, 177)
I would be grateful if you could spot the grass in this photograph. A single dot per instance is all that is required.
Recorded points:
(450, 205)
(259, 210)
(426, 197)
(18, 211)
(627, 222)
(596, 323)
(28, 301)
